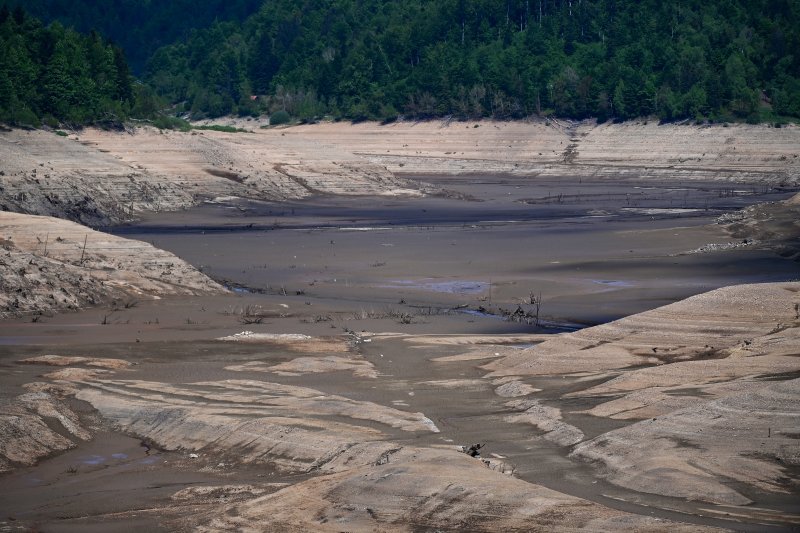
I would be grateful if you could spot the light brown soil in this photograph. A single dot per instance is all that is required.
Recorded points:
(99, 177)
(702, 436)
(49, 264)
(731, 153)
(336, 394)
(697, 368)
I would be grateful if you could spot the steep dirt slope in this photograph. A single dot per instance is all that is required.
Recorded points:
(101, 178)
(756, 154)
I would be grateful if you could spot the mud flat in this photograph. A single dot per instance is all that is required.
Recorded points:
(591, 250)
(621, 331)
(242, 427)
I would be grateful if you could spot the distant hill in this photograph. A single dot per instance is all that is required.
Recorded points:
(731, 60)
(140, 27)
(56, 75)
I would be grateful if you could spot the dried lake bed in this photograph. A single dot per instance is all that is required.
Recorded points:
(373, 327)
(621, 335)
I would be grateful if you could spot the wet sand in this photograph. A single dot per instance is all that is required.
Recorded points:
(356, 268)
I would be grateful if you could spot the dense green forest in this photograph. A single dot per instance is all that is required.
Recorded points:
(140, 27)
(57, 75)
(723, 61)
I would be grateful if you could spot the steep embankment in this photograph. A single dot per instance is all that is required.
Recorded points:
(44, 174)
(634, 150)
(48, 264)
(99, 177)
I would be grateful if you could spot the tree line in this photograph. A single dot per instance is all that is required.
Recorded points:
(722, 60)
(726, 60)
(56, 75)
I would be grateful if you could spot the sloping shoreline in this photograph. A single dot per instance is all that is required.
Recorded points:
(102, 178)
(50, 265)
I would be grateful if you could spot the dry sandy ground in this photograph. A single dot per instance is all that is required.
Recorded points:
(100, 178)
(688, 412)
(692, 408)
(694, 373)
(49, 264)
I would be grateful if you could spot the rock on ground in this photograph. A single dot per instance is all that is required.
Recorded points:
(26, 436)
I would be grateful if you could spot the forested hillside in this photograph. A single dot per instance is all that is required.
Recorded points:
(609, 59)
(55, 75)
(723, 60)
(140, 27)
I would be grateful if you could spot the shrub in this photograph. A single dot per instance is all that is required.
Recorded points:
(223, 129)
(51, 121)
(24, 117)
(164, 122)
(61, 133)
(279, 117)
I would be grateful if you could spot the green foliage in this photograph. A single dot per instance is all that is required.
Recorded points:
(140, 27)
(61, 133)
(381, 59)
(374, 59)
(279, 117)
(219, 127)
(59, 74)
(166, 122)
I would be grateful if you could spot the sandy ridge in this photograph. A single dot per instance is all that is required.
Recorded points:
(695, 380)
(48, 264)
